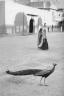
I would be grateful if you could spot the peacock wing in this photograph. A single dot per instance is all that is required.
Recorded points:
(43, 72)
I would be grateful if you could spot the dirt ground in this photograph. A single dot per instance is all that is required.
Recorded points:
(21, 52)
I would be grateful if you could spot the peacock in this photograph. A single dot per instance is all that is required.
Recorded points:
(44, 73)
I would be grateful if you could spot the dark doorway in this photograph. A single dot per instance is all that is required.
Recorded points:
(61, 23)
(31, 25)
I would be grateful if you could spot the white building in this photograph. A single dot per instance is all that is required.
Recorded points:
(14, 18)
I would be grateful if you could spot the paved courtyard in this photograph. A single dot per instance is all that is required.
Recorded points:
(21, 52)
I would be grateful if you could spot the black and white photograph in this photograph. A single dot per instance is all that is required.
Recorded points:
(31, 47)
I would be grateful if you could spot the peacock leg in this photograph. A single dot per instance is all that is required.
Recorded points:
(44, 81)
(41, 80)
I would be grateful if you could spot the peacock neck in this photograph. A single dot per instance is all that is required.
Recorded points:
(53, 69)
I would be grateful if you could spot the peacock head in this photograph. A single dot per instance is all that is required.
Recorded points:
(54, 64)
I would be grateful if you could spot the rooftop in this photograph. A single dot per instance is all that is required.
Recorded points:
(37, 3)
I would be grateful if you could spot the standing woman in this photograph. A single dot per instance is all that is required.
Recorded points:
(42, 39)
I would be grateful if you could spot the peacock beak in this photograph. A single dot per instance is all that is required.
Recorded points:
(54, 64)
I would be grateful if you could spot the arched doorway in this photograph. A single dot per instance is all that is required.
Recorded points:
(31, 25)
(20, 24)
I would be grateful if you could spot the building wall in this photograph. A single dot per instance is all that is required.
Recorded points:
(11, 11)
(15, 19)
(2, 16)
(13, 8)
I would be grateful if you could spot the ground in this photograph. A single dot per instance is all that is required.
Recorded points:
(21, 52)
